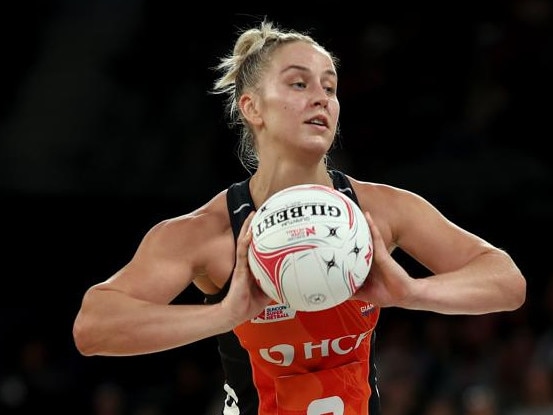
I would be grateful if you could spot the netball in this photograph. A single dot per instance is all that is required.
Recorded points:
(311, 247)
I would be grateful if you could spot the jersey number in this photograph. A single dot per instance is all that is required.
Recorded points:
(332, 405)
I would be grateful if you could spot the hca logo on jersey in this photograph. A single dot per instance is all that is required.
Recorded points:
(285, 354)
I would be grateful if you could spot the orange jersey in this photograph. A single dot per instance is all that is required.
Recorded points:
(311, 363)
(287, 362)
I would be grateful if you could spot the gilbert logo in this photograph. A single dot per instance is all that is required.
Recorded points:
(275, 312)
(304, 211)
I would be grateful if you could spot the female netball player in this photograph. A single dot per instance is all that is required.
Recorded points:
(281, 87)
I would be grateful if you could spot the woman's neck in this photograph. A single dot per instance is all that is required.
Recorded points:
(266, 181)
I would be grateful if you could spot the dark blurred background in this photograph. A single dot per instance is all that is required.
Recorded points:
(107, 126)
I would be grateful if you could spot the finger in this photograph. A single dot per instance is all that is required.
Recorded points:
(244, 239)
(375, 232)
(369, 219)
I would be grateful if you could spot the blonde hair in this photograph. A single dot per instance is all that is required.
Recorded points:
(243, 69)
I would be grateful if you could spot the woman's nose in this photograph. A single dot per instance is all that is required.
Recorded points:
(321, 97)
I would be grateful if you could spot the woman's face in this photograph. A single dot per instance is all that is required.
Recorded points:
(297, 103)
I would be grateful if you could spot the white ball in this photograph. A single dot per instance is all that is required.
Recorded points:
(311, 247)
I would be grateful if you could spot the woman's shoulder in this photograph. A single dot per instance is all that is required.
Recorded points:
(208, 220)
(392, 203)
(378, 190)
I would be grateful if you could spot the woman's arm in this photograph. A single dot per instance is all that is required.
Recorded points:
(470, 275)
(130, 314)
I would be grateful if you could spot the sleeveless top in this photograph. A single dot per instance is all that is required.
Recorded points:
(287, 362)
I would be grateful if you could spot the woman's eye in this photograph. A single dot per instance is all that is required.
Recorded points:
(299, 85)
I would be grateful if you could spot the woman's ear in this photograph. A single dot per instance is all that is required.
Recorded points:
(249, 107)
